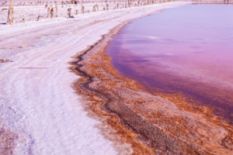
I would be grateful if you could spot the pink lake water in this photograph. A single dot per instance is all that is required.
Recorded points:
(186, 50)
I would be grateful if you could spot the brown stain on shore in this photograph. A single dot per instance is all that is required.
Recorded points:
(219, 99)
(158, 123)
(96, 101)
(7, 141)
(5, 60)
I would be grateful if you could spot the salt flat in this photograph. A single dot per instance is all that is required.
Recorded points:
(38, 106)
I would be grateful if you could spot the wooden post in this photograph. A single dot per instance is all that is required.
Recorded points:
(10, 16)
(82, 7)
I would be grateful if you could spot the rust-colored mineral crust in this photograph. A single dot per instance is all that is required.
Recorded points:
(7, 142)
(152, 123)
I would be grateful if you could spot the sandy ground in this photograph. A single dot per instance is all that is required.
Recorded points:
(39, 110)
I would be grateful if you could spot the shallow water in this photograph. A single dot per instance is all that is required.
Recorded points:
(186, 50)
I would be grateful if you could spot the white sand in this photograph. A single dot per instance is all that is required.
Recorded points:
(37, 101)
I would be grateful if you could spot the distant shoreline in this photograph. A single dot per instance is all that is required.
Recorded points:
(212, 1)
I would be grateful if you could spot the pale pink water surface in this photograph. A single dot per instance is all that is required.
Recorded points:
(187, 49)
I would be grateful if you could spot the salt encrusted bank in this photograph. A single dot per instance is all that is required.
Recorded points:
(40, 113)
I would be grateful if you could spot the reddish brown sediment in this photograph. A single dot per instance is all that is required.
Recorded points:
(153, 123)
(7, 141)
(217, 97)
(4, 60)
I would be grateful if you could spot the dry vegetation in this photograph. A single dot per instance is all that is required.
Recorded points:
(14, 11)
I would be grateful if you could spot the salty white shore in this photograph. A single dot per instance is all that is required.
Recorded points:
(37, 102)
